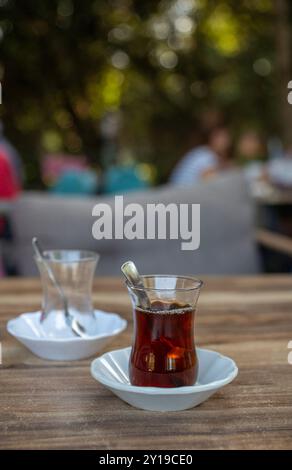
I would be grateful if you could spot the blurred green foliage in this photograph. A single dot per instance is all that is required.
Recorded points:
(65, 63)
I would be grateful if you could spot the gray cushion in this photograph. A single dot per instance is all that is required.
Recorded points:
(227, 233)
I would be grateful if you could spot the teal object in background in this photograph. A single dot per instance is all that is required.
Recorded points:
(76, 182)
(122, 179)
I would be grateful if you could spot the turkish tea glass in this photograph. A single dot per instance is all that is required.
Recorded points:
(74, 272)
(164, 352)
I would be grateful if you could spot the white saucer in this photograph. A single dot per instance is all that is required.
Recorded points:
(215, 371)
(28, 330)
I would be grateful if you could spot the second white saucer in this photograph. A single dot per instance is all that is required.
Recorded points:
(215, 371)
(29, 331)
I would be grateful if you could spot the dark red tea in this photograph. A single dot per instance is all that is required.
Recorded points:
(163, 354)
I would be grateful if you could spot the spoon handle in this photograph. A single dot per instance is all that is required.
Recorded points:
(50, 273)
(134, 279)
(75, 326)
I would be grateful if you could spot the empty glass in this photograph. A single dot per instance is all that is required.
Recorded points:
(74, 272)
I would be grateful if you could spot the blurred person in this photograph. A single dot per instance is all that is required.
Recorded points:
(9, 184)
(206, 160)
(69, 175)
(73, 182)
(125, 174)
(12, 155)
(9, 189)
(124, 178)
(53, 165)
(252, 154)
(280, 170)
(251, 147)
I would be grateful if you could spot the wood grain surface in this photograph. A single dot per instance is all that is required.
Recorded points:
(46, 404)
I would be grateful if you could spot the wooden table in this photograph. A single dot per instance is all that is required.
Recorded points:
(47, 404)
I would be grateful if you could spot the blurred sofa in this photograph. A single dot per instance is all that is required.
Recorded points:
(227, 230)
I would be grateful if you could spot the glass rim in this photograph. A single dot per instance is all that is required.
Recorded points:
(194, 279)
(89, 256)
